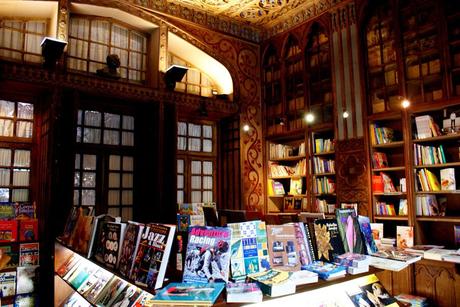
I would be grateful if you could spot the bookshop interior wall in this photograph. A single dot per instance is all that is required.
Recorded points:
(139, 139)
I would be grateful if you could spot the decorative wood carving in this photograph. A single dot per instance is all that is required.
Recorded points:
(352, 183)
(63, 20)
(163, 61)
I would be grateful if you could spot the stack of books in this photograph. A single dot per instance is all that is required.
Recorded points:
(355, 263)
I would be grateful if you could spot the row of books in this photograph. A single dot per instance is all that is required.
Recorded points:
(322, 206)
(279, 151)
(277, 188)
(426, 127)
(278, 170)
(19, 285)
(324, 145)
(323, 165)
(324, 185)
(381, 135)
(19, 230)
(429, 182)
(385, 208)
(427, 155)
(428, 205)
(382, 183)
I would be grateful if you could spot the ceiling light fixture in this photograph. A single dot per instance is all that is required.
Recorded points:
(309, 118)
(246, 128)
(405, 103)
(345, 114)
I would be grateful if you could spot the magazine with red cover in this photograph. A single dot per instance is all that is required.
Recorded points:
(28, 230)
(153, 254)
(29, 254)
(8, 231)
(208, 254)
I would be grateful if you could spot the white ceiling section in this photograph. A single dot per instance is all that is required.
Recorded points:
(207, 64)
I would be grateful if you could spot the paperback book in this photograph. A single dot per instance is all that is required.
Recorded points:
(97, 239)
(404, 236)
(249, 249)
(189, 294)
(328, 241)
(8, 231)
(353, 260)
(243, 293)
(27, 278)
(111, 292)
(377, 233)
(129, 248)
(7, 283)
(28, 230)
(9, 256)
(153, 254)
(75, 300)
(365, 226)
(326, 270)
(349, 231)
(113, 234)
(93, 286)
(84, 269)
(7, 211)
(303, 246)
(25, 300)
(368, 291)
(25, 211)
(81, 235)
(274, 282)
(208, 254)
(128, 295)
(282, 247)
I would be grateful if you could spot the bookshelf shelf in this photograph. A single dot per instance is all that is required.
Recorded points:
(448, 137)
(389, 194)
(389, 145)
(445, 219)
(287, 177)
(326, 153)
(325, 194)
(391, 217)
(277, 196)
(442, 165)
(389, 169)
(293, 158)
(323, 174)
(437, 192)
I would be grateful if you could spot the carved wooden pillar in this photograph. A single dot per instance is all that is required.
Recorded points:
(163, 56)
(62, 31)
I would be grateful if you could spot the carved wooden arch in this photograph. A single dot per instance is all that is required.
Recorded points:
(266, 50)
(324, 22)
(291, 37)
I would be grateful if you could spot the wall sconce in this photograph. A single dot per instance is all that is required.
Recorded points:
(246, 128)
(280, 121)
(174, 74)
(309, 117)
(345, 114)
(52, 49)
(405, 103)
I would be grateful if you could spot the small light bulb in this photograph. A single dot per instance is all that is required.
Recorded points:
(309, 118)
(246, 128)
(345, 114)
(405, 103)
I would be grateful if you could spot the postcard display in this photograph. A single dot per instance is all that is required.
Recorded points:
(19, 253)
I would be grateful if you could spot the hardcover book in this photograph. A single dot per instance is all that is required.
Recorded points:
(129, 248)
(27, 278)
(96, 242)
(349, 231)
(365, 226)
(208, 254)
(282, 247)
(353, 260)
(243, 293)
(303, 246)
(94, 285)
(274, 282)
(127, 296)
(29, 254)
(326, 270)
(404, 236)
(249, 249)
(25, 211)
(68, 265)
(113, 234)
(328, 241)
(152, 255)
(377, 233)
(311, 240)
(189, 294)
(7, 283)
(28, 230)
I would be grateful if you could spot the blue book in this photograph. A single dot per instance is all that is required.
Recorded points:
(365, 226)
(189, 293)
(326, 270)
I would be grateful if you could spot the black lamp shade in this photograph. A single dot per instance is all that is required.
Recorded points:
(52, 50)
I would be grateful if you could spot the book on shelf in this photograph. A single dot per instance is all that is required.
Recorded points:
(429, 205)
(190, 208)
(324, 145)
(280, 151)
(381, 135)
(365, 226)
(377, 184)
(349, 231)
(402, 185)
(249, 249)
(437, 253)
(303, 277)
(75, 299)
(274, 282)
(404, 236)
(243, 293)
(322, 206)
(388, 186)
(7, 211)
(8, 231)
(379, 159)
(426, 127)
(350, 206)
(324, 185)
(321, 165)
(402, 209)
(311, 239)
(355, 271)
(383, 208)
(113, 234)
(377, 233)
(428, 181)
(9, 256)
(111, 291)
(327, 270)
(328, 241)
(8, 283)
(82, 271)
(428, 155)
(448, 179)
(93, 286)
(127, 296)
(152, 256)
(303, 246)
(95, 245)
(282, 247)
(68, 265)
(295, 186)
(275, 188)
(452, 257)
(81, 234)
(129, 248)
(207, 248)
(24, 211)
(397, 255)
(28, 230)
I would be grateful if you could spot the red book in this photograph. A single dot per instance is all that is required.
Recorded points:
(377, 184)
(8, 231)
(28, 230)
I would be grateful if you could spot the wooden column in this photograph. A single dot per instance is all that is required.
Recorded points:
(62, 31)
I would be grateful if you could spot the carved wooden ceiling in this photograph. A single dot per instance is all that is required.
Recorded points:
(254, 20)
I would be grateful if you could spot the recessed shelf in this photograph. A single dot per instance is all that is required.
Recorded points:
(326, 153)
(391, 217)
(293, 158)
(389, 169)
(323, 174)
(446, 219)
(440, 165)
(438, 192)
(389, 145)
(448, 137)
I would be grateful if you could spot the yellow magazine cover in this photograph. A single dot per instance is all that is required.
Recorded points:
(368, 291)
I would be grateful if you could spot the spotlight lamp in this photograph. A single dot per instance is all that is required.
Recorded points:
(246, 128)
(345, 114)
(52, 49)
(405, 103)
(309, 117)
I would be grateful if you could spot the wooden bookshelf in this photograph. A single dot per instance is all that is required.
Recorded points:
(327, 153)
(442, 138)
(389, 169)
(293, 158)
(440, 219)
(391, 217)
(389, 145)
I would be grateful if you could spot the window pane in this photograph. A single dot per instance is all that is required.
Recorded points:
(6, 127)
(89, 162)
(6, 108)
(78, 136)
(196, 182)
(207, 183)
(5, 157)
(89, 179)
(128, 164)
(194, 144)
(25, 110)
(196, 197)
(207, 145)
(180, 166)
(128, 122)
(207, 131)
(79, 118)
(194, 130)
(207, 197)
(114, 162)
(180, 197)
(127, 180)
(114, 180)
(207, 167)
(88, 197)
(114, 198)
(20, 195)
(24, 129)
(112, 120)
(127, 139)
(181, 143)
(127, 197)
(4, 195)
(196, 167)
(79, 27)
(127, 214)
(100, 31)
(76, 197)
(4, 177)
(77, 161)
(20, 177)
(113, 211)
(22, 158)
(111, 137)
(181, 128)
(92, 135)
(92, 118)
(180, 181)
(76, 179)
(120, 36)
